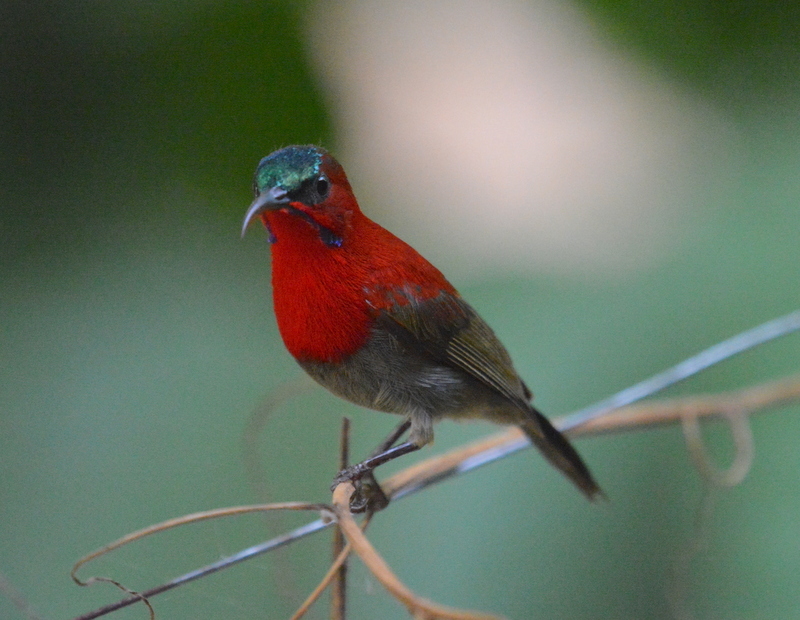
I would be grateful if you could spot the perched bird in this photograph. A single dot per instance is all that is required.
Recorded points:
(375, 323)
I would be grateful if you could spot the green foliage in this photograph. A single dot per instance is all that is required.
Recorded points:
(738, 53)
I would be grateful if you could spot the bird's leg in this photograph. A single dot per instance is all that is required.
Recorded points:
(368, 493)
(396, 434)
(359, 470)
(372, 462)
(384, 453)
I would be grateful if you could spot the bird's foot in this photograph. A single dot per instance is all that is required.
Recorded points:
(368, 494)
(353, 474)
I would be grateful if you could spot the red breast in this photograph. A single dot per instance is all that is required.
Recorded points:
(326, 298)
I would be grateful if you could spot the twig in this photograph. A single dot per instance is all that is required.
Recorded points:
(418, 607)
(461, 460)
(768, 394)
(330, 576)
(185, 520)
(206, 570)
(339, 586)
(595, 419)
(327, 580)
(210, 569)
(714, 354)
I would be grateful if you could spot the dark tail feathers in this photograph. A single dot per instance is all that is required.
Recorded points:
(560, 453)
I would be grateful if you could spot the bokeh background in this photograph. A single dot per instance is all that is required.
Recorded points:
(614, 186)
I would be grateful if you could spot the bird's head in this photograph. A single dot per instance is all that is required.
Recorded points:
(304, 182)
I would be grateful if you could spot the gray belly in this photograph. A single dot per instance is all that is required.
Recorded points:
(385, 376)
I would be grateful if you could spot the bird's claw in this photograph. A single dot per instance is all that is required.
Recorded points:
(368, 494)
(353, 474)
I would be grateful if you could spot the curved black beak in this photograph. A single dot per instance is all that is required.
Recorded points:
(273, 198)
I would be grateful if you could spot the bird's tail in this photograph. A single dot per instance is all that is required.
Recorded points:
(560, 452)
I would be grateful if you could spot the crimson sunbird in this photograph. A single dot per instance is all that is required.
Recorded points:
(375, 323)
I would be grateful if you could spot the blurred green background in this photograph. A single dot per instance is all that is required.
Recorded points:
(137, 337)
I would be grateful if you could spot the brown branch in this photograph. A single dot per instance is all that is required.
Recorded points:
(418, 607)
(329, 577)
(339, 586)
(734, 406)
(762, 396)
(171, 523)
(739, 402)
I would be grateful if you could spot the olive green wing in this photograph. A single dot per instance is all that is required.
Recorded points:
(449, 330)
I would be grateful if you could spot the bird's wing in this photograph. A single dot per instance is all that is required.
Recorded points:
(448, 330)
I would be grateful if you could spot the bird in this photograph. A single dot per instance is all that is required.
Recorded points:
(371, 320)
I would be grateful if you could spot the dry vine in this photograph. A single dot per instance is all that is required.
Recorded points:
(607, 416)
(742, 402)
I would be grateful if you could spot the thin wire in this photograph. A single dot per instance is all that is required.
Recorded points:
(244, 554)
(713, 355)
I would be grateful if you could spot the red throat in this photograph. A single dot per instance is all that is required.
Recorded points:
(326, 298)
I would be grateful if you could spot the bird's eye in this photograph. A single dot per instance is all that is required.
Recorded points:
(323, 186)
